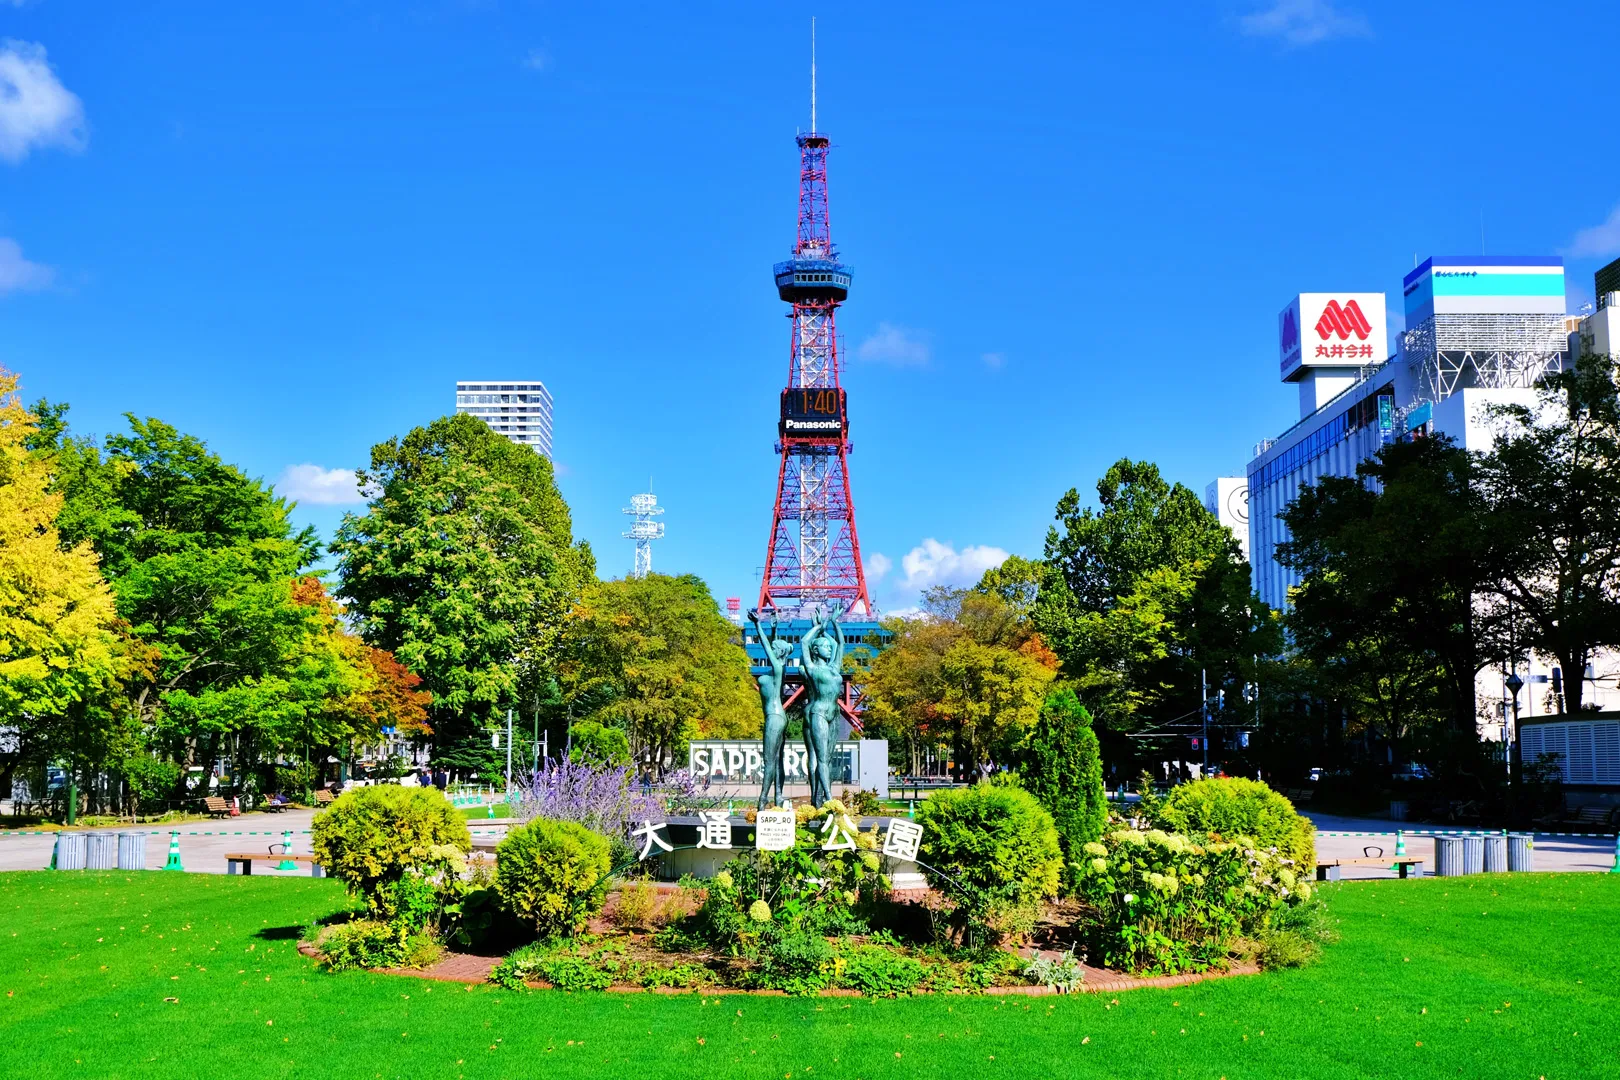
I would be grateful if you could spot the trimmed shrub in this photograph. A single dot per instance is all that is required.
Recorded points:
(1231, 807)
(372, 837)
(990, 848)
(1062, 767)
(1166, 903)
(553, 874)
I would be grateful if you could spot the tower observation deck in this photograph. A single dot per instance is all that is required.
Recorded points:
(813, 558)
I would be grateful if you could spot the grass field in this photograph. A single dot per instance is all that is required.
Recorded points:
(1478, 977)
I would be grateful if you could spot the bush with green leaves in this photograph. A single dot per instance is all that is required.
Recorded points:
(1293, 935)
(1228, 808)
(993, 850)
(1062, 973)
(880, 971)
(553, 875)
(1061, 765)
(795, 961)
(372, 837)
(370, 943)
(1165, 903)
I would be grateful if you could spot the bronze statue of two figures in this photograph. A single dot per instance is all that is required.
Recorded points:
(822, 657)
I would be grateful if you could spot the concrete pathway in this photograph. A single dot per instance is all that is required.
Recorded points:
(203, 844)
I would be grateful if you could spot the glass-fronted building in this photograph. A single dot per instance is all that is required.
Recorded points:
(519, 410)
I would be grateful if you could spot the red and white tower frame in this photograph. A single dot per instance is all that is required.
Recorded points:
(814, 555)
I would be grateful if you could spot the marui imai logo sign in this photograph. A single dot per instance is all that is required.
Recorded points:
(1347, 330)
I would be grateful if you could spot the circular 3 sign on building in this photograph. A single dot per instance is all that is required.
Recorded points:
(1237, 503)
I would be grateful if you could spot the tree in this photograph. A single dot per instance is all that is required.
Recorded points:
(62, 652)
(1551, 488)
(463, 566)
(968, 672)
(1139, 595)
(598, 744)
(654, 657)
(202, 561)
(1061, 765)
(1390, 562)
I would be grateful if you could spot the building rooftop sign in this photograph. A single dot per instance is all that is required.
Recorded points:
(1330, 330)
(1484, 285)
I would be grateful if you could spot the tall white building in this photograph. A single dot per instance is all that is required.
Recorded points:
(519, 410)
(1479, 331)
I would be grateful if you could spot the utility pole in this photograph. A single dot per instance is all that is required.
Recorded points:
(1203, 691)
(509, 751)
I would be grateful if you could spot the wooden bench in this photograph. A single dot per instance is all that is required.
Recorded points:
(1329, 870)
(1594, 818)
(241, 862)
(275, 807)
(216, 806)
(323, 797)
(1299, 796)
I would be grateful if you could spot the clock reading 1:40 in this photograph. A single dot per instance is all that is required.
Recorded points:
(821, 401)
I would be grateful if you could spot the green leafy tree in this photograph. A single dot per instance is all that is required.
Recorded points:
(1551, 487)
(1391, 561)
(654, 658)
(969, 673)
(202, 560)
(1061, 765)
(1140, 594)
(595, 743)
(463, 566)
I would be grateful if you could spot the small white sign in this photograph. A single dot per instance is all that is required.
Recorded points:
(773, 830)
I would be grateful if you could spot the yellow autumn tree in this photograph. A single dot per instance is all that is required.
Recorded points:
(58, 639)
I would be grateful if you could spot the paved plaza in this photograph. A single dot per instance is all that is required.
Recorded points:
(204, 845)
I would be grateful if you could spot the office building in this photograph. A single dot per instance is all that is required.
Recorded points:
(519, 410)
(1599, 332)
(1479, 331)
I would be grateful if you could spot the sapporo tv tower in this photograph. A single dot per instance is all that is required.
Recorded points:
(814, 555)
(813, 558)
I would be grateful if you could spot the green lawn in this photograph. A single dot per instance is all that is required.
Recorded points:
(1479, 977)
(475, 814)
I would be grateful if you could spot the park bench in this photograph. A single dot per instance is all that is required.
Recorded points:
(241, 862)
(1593, 818)
(216, 806)
(274, 807)
(323, 797)
(1328, 870)
(1298, 796)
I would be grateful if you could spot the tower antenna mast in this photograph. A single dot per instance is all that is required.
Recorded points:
(645, 509)
(813, 556)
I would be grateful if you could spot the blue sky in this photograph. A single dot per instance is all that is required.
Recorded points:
(290, 229)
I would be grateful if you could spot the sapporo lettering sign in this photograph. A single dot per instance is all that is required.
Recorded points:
(743, 762)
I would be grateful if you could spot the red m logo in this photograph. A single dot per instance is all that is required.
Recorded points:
(1343, 321)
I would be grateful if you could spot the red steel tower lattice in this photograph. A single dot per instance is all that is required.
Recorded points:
(814, 556)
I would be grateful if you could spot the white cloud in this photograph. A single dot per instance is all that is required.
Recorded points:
(537, 60)
(17, 273)
(1599, 241)
(933, 563)
(994, 361)
(35, 108)
(878, 566)
(316, 486)
(895, 345)
(1304, 22)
